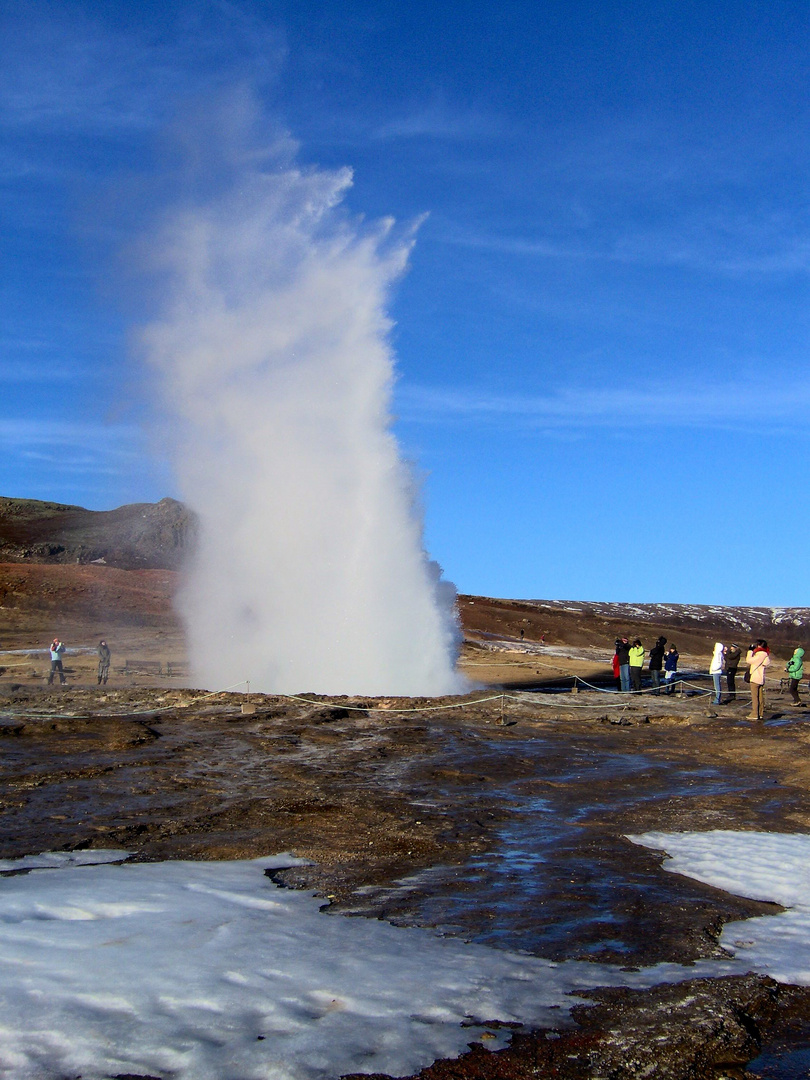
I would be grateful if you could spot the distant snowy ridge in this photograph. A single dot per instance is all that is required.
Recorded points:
(749, 619)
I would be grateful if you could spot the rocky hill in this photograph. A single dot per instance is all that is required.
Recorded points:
(158, 537)
(139, 536)
(589, 623)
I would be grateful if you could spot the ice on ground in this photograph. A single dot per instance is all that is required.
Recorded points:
(209, 971)
(58, 860)
(761, 866)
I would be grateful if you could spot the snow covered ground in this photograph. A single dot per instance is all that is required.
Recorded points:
(761, 866)
(743, 618)
(209, 970)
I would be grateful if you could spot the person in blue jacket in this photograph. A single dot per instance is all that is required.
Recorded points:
(670, 668)
(57, 648)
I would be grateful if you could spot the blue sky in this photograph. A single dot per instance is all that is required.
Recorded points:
(602, 337)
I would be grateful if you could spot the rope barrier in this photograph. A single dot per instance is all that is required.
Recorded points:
(535, 700)
(648, 690)
(286, 697)
(127, 712)
(567, 704)
(386, 708)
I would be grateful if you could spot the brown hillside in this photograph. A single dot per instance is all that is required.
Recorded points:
(136, 536)
(693, 628)
(58, 598)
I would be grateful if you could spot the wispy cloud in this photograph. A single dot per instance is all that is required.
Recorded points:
(68, 75)
(438, 120)
(713, 244)
(14, 371)
(636, 193)
(719, 406)
(95, 447)
(89, 463)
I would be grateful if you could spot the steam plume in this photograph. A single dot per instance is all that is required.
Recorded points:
(275, 364)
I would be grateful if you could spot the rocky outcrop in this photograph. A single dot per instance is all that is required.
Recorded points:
(694, 627)
(138, 536)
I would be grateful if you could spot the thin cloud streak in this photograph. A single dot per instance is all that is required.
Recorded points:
(74, 462)
(32, 435)
(72, 75)
(709, 248)
(438, 121)
(12, 371)
(713, 407)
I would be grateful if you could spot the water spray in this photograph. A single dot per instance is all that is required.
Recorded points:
(276, 368)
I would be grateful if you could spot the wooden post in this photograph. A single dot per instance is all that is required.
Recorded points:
(247, 708)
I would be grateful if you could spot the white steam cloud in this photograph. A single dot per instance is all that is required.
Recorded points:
(274, 359)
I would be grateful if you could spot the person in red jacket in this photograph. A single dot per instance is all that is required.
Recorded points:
(623, 653)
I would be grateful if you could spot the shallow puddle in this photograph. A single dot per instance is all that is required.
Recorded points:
(559, 880)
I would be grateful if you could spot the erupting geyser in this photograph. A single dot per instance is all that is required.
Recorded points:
(273, 353)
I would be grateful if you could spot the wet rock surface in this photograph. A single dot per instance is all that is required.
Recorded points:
(705, 1029)
(503, 821)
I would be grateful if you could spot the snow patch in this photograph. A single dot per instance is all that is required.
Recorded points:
(772, 867)
(208, 971)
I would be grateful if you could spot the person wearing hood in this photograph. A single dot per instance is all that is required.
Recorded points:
(636, 664)
(716, 670)
(795, 670)
(103, 662)
(732, 661)
(656, 663)
(758, 657)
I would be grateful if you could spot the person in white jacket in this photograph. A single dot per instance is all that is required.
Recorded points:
(757, 658)
(716, 670)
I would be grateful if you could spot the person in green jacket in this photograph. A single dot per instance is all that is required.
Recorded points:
(795, 669)
(636, 664)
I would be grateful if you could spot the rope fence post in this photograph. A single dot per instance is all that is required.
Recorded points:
(247, 707)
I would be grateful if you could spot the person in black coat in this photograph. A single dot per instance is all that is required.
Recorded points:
(731, 661)
(656, 663)
(103, 662)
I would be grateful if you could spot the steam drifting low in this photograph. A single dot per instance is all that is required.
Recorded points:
(276, 370)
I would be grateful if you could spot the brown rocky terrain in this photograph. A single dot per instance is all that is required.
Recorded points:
(501, 819)
(500, 816)
(137, 536)
(585, 623)
(83, 574)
